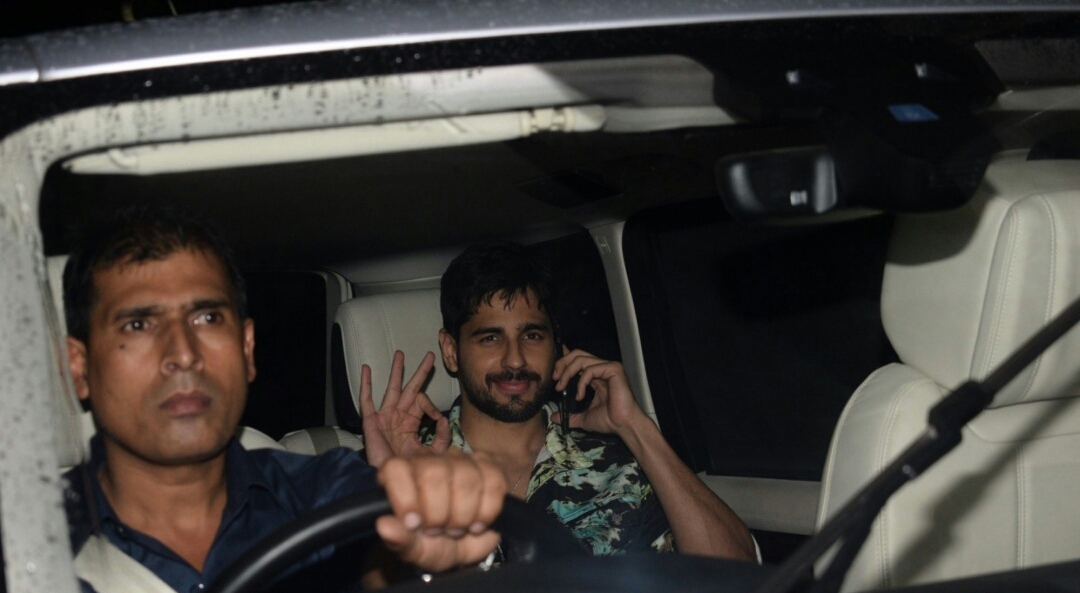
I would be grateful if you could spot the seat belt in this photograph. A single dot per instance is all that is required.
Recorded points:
(109, 570)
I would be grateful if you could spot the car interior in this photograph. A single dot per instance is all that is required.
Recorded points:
(794, 256)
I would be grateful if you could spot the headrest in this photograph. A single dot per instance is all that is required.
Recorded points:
(963, 289)
(251, 438)
(54, 265)
(73, 427)
(373, 327)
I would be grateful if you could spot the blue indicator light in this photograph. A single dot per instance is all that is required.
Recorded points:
(912, 112)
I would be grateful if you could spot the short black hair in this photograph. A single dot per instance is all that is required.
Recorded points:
(487, 270)
(133, 235)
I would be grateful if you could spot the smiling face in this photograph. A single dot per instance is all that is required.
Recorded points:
(168, 360)
(504, 358)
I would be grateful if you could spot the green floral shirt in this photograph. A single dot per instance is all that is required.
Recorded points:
(594, 486)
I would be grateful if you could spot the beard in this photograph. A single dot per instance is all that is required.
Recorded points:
(519, 408)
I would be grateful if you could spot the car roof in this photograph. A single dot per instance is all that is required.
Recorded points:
(529, 189)
(288, 29)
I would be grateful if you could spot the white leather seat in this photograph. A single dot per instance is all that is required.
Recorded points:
(374, 327)
(961, 291)
(312, 441)
(72, 425)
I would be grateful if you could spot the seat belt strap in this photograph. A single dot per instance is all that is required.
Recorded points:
(109, 570)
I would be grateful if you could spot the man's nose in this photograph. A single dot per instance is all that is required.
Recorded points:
(181, 349)
(512, 357)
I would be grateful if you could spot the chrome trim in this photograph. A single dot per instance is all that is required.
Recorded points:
(316, 27)
(16, 64)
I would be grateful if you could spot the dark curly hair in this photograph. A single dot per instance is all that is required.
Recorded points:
(134, 235)
(487, 270)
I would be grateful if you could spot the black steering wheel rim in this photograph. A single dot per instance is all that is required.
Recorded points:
(529, 531)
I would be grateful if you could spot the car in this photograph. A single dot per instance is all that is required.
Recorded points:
(754, 206)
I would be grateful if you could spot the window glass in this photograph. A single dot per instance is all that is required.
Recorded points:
(755, 336)
(289, 391)
(585, 316)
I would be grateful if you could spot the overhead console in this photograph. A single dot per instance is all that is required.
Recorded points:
(897, 122)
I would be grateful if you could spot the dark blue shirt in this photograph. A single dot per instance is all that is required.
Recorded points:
(266, 488)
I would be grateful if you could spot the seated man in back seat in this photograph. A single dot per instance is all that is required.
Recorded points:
(613, 480)
(161, 347)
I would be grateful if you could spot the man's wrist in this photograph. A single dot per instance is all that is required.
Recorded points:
(638, 432)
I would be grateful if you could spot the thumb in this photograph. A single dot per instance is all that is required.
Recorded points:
(442, 435)
(393, 533)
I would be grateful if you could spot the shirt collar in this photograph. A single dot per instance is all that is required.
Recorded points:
(241, 475)
(563, 449)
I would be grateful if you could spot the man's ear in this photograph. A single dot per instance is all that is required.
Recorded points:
(77, 363)
(249, 348)
(448, 345)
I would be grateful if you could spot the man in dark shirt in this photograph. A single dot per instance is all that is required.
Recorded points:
(161, 348)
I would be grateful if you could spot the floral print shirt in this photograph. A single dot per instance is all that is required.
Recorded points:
(593, 485)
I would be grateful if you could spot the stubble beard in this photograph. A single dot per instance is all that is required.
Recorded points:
(519, 409)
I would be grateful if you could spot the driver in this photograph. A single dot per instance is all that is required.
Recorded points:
(613, 479)
(161, 349)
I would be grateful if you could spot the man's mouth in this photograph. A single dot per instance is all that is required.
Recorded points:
(513, 383)
(186, 404)
(513, 387)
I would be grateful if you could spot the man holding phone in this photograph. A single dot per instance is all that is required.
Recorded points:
(612, 478)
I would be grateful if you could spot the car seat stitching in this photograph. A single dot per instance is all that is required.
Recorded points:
(986, 296)
(834, 444)
(357, 346)
(883, 447)
(388, 337)
(1003, 285)
(830, 460)
(1049, 305)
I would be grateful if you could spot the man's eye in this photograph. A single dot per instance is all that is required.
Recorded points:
(488, 339)
(534, 336)
(135, 325)
(209, 318)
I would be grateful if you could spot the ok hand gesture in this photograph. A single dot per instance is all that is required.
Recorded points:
(393, 429)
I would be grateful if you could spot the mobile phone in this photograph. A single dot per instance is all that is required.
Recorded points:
(566, 399)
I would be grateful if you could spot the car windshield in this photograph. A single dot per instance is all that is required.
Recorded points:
(766, 213)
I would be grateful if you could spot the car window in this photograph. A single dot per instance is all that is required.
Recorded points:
(290, 313)
(752, 321)
(757, 335)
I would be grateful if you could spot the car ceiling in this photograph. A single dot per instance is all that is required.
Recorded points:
(344, 210)
(322, 212)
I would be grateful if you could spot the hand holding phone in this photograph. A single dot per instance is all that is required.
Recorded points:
(566, 400)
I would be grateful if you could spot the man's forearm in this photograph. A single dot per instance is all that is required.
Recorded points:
(700, 522)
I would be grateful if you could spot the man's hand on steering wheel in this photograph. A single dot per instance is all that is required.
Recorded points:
(443, 508)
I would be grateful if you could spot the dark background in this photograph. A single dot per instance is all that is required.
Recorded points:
(26, 18)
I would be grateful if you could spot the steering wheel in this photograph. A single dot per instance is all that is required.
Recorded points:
(530, 533)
